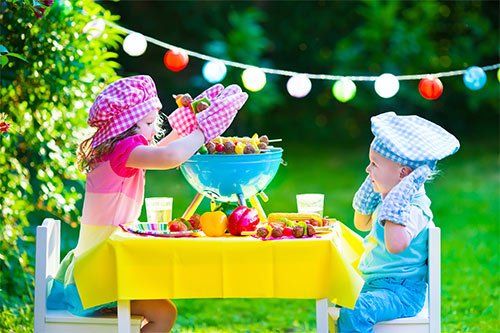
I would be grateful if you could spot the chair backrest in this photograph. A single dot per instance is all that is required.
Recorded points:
(434, 296)
(48, 236)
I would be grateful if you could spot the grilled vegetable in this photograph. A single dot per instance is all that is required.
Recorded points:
(275, 217)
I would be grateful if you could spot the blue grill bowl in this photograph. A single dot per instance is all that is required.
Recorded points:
(221, 177)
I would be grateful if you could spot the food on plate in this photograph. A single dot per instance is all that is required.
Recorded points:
(179, 224)
(195, 222)
(262, 232)
(312, 218)
(277, 232)
(298, 231)
(214, 224)
(310, 230)
(242, 219)
(280, 225)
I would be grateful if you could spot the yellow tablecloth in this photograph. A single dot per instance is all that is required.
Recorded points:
(129, 267)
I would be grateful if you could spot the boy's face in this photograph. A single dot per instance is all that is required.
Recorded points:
(147, 125)
(384, 173)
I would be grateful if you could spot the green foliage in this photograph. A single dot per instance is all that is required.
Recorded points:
(5, 55)
(247, 40)
(333, 37)
(46, 100)
(17, 320)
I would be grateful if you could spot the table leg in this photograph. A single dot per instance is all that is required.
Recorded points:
(123, 316)
(322, 315)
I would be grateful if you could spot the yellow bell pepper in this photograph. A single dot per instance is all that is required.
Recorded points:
(239, 148)
(214, 224)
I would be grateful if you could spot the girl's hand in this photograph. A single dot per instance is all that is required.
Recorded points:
(183, 120)
(396, 205)
(220, 114)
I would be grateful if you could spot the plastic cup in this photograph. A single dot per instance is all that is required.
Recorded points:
(159, 209)
(310, 203)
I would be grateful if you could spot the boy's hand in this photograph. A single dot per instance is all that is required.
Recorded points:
(366, 199)
(396, 205)
(183, 120)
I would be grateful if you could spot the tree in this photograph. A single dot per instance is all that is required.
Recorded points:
(45, 100)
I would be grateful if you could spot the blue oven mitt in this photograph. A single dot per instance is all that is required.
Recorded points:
(366, 199)
(396, 205)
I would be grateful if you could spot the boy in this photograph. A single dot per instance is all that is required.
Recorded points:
(393, 206)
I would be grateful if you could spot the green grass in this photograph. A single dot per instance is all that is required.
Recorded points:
(465, 204)
(465, 200)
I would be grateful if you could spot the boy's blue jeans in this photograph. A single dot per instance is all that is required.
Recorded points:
(380, 300)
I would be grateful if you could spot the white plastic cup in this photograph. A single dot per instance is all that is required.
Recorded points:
(310, 203)
(159, 209)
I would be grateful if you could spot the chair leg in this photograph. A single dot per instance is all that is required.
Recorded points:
(322, 315)
(333, 316)
(124, 316)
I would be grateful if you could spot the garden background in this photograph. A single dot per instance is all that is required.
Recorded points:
(46, 98)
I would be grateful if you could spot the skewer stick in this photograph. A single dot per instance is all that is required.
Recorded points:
(275, 140)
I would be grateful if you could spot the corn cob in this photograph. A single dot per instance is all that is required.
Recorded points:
(276, 217)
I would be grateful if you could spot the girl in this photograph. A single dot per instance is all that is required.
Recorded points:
(115, 159)
(393, 206)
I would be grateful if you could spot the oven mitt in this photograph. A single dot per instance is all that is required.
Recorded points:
(366, 199)
(396, 205)
(214, 120)
(184, 121)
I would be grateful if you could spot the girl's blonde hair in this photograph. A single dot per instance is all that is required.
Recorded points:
(87, 157)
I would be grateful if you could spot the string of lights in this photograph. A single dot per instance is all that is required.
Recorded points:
(299, 84)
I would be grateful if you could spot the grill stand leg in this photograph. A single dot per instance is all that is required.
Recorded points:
(193, 206)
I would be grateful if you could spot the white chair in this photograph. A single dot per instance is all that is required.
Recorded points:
(46, 266)
(429, 319)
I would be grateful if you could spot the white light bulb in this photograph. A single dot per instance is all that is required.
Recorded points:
(135, 44)
(299, 85)
(254, 79)
(95, 28)
(386, 85)
(214, 71)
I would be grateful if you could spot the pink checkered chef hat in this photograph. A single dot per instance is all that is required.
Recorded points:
(121, 105)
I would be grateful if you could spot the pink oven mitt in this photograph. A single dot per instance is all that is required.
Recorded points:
(213, 121)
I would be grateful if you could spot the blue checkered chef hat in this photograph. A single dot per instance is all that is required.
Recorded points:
(411, 140)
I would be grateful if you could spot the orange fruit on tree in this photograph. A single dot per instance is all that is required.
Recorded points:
(214, 224)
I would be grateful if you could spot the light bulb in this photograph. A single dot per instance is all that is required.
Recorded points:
(344, 90)
(254, 79)
(386, 85)
(298, 85)
(474, 78)
(135, 44)
(214, 71)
